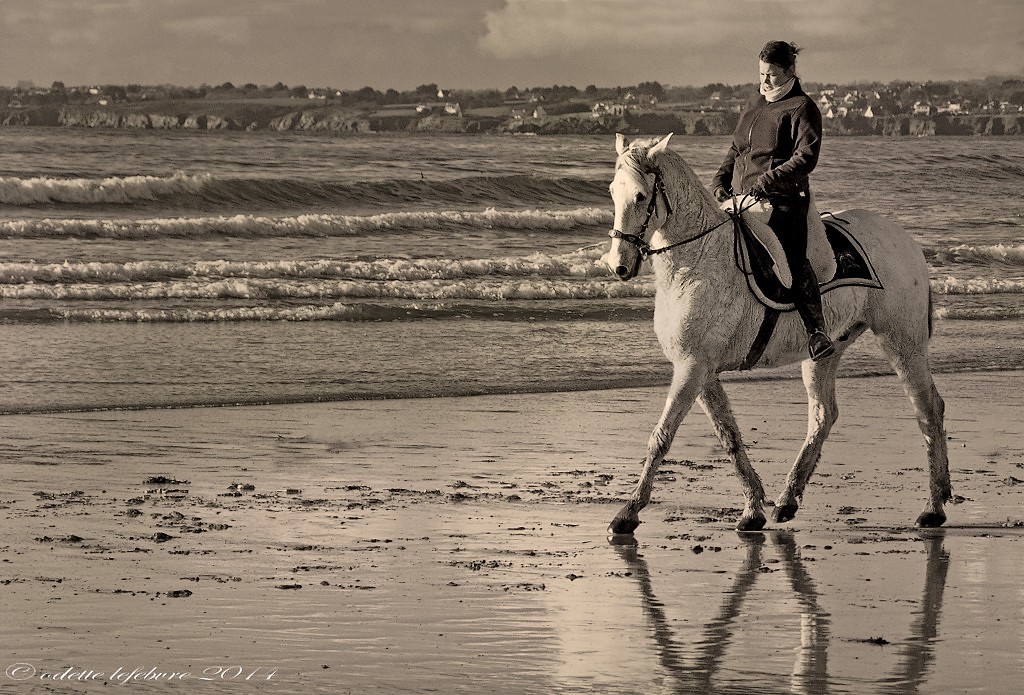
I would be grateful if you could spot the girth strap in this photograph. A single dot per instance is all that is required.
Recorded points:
(764, 334)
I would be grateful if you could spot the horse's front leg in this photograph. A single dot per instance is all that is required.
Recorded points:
(715, 403)
(687, 381)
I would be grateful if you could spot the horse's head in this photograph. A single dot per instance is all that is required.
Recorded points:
(641, 205)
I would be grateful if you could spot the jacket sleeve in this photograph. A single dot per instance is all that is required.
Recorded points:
(789, 175)
(724, 176)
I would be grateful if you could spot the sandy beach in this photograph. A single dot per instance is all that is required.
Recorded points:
(458, 545)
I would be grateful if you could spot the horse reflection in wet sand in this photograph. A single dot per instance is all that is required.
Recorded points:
(696, 664)
(707, 319)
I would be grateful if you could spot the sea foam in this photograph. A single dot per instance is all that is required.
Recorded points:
(311, 225)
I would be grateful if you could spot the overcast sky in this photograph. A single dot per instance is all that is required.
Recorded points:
(472, 44)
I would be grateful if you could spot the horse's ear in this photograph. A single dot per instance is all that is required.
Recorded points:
(661, 145)
(621, 144)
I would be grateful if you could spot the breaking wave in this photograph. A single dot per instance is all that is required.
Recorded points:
(206, 189)
(1002, 254)
(583, 263)
(312, 225)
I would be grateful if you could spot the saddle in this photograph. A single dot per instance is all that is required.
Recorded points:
(836, 256)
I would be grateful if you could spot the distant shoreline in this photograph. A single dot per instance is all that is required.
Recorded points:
(199, 115)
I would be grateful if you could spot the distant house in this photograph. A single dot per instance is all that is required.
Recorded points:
(602, 108)
(522, 113)
(922, 108)
(451, 109)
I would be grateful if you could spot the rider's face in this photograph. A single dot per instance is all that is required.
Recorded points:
(772, 76)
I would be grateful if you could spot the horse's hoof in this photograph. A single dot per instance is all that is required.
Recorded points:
(623, 540)
(623, 526)
(931, 519)
(751, 523)
(784, 513)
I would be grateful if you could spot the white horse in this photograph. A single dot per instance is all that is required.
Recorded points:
(706, 320)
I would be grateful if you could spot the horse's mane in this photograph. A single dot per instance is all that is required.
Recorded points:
(638, 160)
(677, 173)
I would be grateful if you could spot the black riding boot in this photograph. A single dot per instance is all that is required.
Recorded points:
(807, 298)
(789, 221)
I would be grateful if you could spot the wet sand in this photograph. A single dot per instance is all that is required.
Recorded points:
(458, 545)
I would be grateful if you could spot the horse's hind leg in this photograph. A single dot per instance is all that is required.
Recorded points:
(911, 365)
(715, 403)
(822, 413)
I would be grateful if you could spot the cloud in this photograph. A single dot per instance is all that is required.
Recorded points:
(718, 39)
(495, 43)
(537, 28)
(221, 29)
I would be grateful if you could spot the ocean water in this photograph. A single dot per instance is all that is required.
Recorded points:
(145, 269)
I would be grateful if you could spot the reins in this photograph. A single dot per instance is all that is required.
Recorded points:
(641, 244)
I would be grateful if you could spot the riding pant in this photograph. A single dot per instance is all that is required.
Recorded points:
(789, 222)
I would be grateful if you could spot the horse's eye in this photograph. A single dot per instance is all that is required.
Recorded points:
(640, 197)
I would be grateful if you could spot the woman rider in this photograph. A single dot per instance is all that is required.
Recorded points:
(774, 149)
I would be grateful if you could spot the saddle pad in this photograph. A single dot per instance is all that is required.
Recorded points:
(852, 265)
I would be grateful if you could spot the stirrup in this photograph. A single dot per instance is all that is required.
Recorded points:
(820, 346)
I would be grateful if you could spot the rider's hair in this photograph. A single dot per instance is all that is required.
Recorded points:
(780, 53)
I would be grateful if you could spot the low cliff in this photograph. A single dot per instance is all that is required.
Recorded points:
(255, 116)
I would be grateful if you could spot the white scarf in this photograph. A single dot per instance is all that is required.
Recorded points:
(782, 90)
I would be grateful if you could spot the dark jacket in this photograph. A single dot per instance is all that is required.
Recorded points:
(775, 146)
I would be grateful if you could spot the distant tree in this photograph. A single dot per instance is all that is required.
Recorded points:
(590, 92)
(938, 90)
(299, 91)
(427, 91)
(57, 87)
(653, 88)
(116, 92)
(369, 95)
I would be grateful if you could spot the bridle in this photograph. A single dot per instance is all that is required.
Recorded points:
(638, 240)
